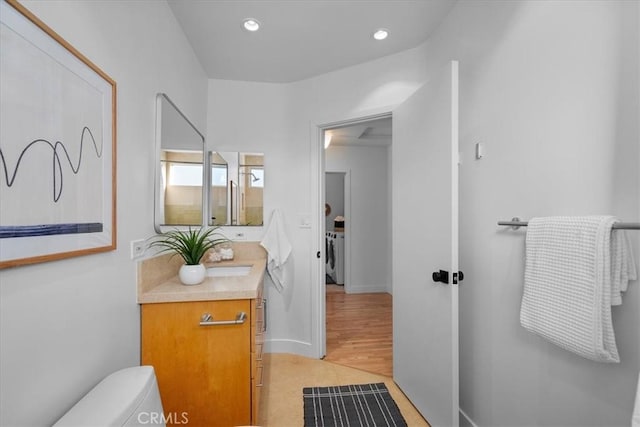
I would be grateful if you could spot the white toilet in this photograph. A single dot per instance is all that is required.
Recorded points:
(129, 397)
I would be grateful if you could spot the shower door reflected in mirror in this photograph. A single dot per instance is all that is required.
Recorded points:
(251, 186)
(244, 189)
(219, 191)
(180, 172)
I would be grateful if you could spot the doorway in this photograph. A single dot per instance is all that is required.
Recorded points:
(356, 173)
(335, 254)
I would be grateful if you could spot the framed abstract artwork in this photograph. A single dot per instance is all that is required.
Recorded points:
(57, 146)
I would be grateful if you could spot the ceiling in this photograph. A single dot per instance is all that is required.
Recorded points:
(299, 39)
(374, 133)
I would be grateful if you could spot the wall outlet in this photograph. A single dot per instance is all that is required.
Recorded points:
(137, 248)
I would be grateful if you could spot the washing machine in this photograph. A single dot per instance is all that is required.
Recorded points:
(334, 242)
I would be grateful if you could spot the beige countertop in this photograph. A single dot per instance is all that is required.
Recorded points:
(158, 281)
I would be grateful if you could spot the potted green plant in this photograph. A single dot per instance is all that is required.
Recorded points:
(191, 245)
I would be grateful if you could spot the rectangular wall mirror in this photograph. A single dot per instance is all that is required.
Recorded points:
(237, 186)
(234, 195)
(180, 173)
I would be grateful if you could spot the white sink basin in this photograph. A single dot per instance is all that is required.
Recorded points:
(228, 270)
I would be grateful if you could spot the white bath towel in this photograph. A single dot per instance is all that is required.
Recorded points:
(635, 419)
(278, 249)
(568, 286)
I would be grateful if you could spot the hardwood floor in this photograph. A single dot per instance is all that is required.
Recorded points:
(359, 330)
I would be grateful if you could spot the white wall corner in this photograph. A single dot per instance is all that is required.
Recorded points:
(465, 420)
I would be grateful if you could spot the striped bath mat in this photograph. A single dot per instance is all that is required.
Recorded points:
(350, 405)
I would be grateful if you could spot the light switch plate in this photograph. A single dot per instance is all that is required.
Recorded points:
(304, 220)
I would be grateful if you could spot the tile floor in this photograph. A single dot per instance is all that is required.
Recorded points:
(287, 374)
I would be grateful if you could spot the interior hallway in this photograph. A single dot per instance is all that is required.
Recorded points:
(359, 330)
(287, 374)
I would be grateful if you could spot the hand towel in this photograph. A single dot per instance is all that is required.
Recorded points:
(635, 420)
(567, 291)
(278, 249)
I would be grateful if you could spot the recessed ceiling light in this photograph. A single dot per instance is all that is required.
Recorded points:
(251, 24)
(381, 34)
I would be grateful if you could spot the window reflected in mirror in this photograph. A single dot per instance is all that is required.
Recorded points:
(182, 187)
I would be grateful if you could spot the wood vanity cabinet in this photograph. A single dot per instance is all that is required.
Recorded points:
(211, 374)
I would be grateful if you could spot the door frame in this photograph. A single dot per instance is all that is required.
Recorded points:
(317, 161)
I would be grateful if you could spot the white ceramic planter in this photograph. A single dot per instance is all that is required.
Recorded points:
(192, 274)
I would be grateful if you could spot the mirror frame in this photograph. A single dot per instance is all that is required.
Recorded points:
(157, 221)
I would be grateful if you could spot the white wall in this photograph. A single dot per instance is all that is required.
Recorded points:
(244, 116)
(278, 119)
(369, 267)
(551, 89)
(64, 325)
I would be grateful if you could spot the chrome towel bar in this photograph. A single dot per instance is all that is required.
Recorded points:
(516, 223)
(207, 320)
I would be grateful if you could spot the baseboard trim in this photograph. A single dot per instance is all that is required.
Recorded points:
(365, 289)
(467, 419)
(301, 348)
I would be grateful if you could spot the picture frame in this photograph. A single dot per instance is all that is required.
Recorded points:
(57, 146)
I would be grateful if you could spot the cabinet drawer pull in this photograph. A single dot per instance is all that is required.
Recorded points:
(260, 384)
(207, 320)
(259, 353)
(264, 315)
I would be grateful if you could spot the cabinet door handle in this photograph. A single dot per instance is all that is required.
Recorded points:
(261, 383)
(207, 320)
(264, 315)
